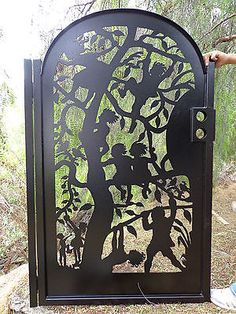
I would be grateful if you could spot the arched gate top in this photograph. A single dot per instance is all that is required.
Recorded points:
(134, 17)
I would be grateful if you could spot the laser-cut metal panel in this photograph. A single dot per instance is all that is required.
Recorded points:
(124, 176)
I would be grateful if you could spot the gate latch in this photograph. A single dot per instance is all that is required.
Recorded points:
(202, 121)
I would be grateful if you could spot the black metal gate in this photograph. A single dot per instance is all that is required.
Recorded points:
(119, 133)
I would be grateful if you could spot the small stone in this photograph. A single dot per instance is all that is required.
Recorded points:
(233, 206)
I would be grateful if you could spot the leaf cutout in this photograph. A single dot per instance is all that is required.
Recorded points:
(77, 200)
(158, 195)
(179, 222)
(132, 230)
(65, 202)
(180, 68)
(188, 216)
(130, 212)
(158, 121)
(118, 212)
(127, 72)
(177, 94)
(139, 204)
(141, 137)
(64, 177)
(154, 103)
(164, 45)
(114, 86)
(65, 191)
(122, 123)
(61, 221)
(86, 206)
(177, 229)
(166, 113)
(118, 33)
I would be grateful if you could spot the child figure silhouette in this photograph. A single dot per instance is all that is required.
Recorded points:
(62, 249)
(141, 173)
(124, 174)
(78, 241)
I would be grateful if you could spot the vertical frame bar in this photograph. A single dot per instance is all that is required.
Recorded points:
(29, 136)
(39, 179)
(207, 218)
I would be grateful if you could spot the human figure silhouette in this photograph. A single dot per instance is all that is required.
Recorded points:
(141, 173)
(118, 254)
(124, 174)
(100, 132)
(78, 241)
(161, 240)
(149, 86)
(62, 249)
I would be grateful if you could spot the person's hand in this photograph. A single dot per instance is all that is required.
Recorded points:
(219, 57)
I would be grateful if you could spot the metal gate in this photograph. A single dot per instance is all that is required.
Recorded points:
(119, 135)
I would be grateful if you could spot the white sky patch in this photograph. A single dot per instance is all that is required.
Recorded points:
(15, 20)
(21, 21)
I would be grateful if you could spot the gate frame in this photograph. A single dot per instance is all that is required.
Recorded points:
(35, 191)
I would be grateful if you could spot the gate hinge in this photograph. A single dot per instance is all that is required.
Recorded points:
(202, 121)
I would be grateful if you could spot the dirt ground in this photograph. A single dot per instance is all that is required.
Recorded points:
(223, 265)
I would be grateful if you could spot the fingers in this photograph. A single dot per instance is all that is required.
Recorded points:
(206, 59)
(213, 55)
